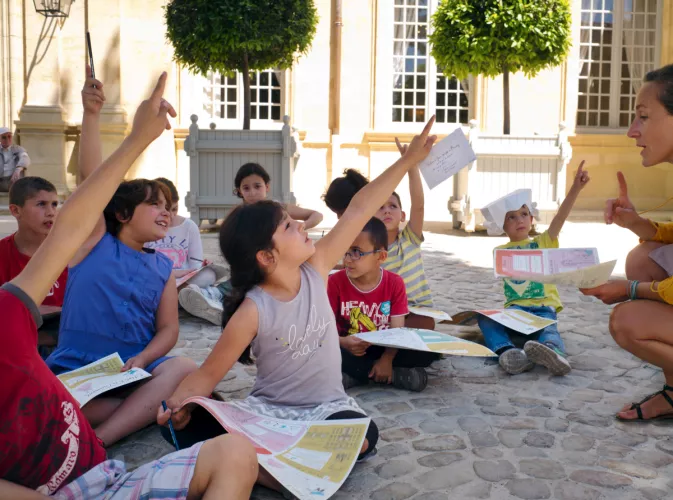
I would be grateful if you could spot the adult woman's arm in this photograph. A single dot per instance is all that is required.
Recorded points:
(616, 291)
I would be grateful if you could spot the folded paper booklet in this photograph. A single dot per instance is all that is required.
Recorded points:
(448, 157)
(425, 340)
(430, 313)
(98, 377)
(181, 281)
(310, 459)
(516, 319)
(578, 267)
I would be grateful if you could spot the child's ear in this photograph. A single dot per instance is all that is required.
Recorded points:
(15, 210)
(265, 258)
(404, 216)
(382, 256)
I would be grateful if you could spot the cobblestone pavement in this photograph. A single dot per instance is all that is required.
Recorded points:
(476, 432)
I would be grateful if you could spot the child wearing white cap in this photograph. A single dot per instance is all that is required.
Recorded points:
(513, 215)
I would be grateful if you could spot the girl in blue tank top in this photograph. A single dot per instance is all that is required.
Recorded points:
(121, 298)
(279, 312)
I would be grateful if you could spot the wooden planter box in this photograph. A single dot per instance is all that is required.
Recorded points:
(505, 163)
(216, 155)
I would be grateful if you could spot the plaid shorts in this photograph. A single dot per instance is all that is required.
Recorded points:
(165, 478)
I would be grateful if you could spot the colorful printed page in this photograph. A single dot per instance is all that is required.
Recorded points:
(310, 459)
(425, 340)
(181, 281)
(520, 321)
(447, 157)
(98, 377)
(430, 313)
(587, 277)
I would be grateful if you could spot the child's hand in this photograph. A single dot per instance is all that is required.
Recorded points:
(611, 292)
(354, 345)
(151, 116)
(134, 362)
(420, 145)
(93, 96)
(180, 415)
(402, 148)
(382, 371)
(620, 210)
(581, 177)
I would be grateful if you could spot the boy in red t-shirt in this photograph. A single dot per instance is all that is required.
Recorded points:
(33, 202)
(47, 447)
(364, 298)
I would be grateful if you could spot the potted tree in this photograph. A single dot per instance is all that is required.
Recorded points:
(227, 36)
(501, 37)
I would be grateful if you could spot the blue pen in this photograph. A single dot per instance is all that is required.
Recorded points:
(170, 426)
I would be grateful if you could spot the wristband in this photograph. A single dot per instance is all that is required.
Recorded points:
(633, 289)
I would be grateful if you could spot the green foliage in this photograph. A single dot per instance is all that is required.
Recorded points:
(489, 37)
(216, 34)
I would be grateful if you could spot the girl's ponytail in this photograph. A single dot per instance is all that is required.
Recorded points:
(248, 229)
(342, 189)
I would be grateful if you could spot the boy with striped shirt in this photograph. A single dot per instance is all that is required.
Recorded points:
(404, 247)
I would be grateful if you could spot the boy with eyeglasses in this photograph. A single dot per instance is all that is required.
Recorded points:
(365, 297)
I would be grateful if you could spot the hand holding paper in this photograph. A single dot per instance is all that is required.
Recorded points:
(447, 158)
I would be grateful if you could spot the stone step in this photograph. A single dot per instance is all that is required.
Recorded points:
(4, 204)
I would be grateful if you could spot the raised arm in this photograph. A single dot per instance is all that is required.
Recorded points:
(417, 209)
(581, 180)
(90, 152)
(82, 210)
(367, 201)
(311, 218)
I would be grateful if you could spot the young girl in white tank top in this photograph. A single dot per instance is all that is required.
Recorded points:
(280, 313)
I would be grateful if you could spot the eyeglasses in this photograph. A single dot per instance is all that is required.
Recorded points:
(356, 254)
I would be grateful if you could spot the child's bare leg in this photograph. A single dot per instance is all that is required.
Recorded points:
(418, 321)
(140, 408)
(225, 468)
(99, 410)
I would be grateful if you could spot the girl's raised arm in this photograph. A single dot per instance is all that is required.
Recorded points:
(367, 201)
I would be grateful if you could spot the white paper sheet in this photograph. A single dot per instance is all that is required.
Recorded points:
(418, 339)
(447, 158)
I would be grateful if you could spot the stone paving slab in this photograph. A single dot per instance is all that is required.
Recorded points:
(476, 432)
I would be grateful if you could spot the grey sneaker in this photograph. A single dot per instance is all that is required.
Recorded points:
(193, 301)
(548, 356)
(411, 379)
(515, 361)
(349, 381)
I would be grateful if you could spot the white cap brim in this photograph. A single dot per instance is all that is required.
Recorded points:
(494, 213)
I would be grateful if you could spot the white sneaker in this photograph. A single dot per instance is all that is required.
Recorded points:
(193, 300)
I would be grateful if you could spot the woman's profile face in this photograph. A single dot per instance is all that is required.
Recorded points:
(652, 127)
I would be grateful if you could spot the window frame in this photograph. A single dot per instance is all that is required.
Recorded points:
(209, 91)
(616, 54)
(383, 106)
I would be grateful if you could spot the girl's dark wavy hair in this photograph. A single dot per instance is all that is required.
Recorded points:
(341, 191)
(247, 170)
(128, 196)
(247, 230)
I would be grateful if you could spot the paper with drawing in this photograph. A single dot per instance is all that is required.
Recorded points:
(436, 314)
(578, 267)
(520, 321)
(425, 340)
(98, 377)
(447, 158)
(310, 459)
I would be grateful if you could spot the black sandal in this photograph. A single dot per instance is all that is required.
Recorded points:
(636, 406)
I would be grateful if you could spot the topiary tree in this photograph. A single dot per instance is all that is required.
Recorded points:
(240, 35)
(493, 37)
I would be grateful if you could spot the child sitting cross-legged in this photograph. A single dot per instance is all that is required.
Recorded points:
(513, 215)
(364, 298)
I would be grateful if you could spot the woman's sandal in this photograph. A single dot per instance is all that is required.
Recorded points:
(636, 406)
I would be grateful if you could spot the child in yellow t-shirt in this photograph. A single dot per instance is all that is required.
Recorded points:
(546, 346)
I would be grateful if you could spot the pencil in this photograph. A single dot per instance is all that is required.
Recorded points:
(170, 426)
(194, 258)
